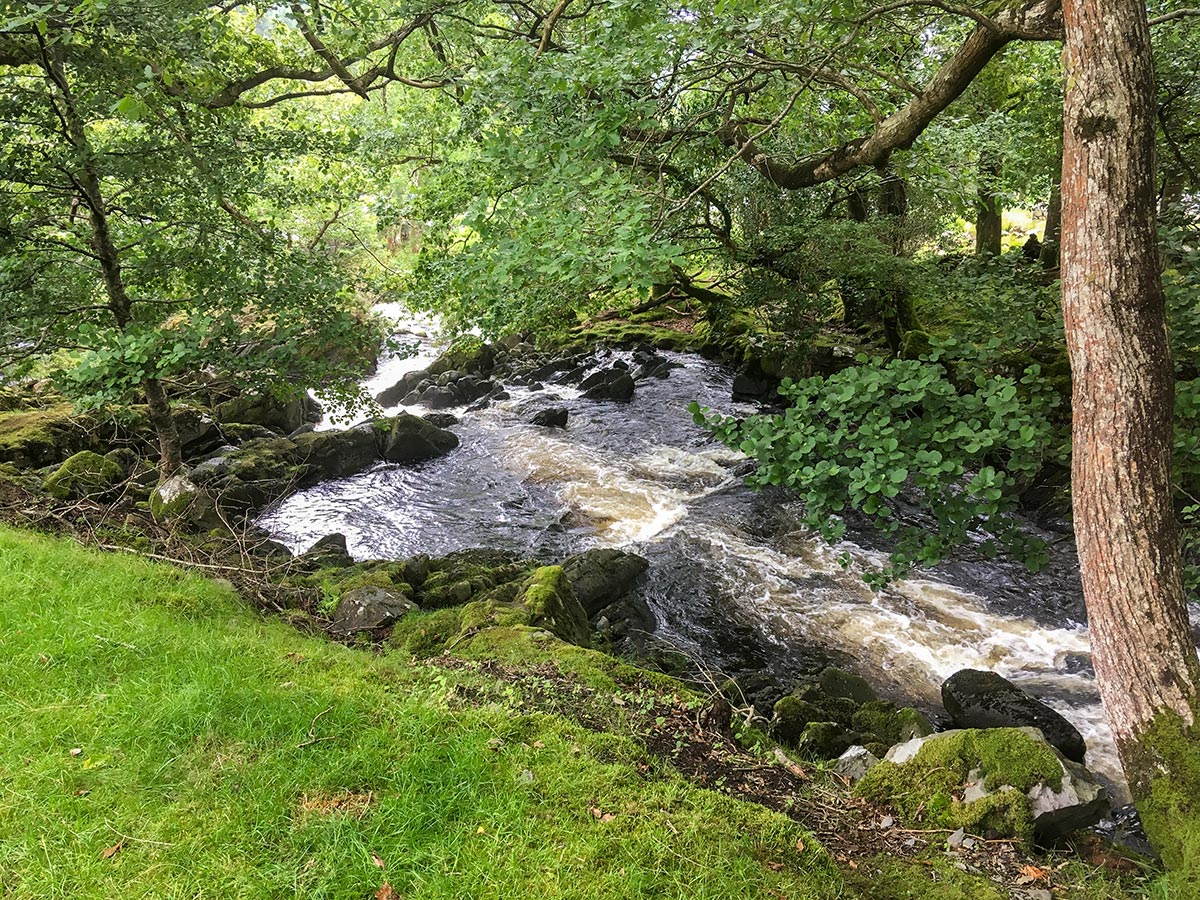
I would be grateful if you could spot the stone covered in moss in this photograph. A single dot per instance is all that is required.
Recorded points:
(407, 438)
(468, 574)
(546, 600)
(86, 474)
(468, 353)
(1003, 782)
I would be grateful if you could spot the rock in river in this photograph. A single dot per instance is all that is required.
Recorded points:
(980, 699)
(409, 438)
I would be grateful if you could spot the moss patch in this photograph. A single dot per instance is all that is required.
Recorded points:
(85, 474)
(1171, 812)
(928, 789)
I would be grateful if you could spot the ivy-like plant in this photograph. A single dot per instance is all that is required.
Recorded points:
(879, 431)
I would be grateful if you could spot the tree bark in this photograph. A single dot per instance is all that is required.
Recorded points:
(1114, 312)
(989, 213)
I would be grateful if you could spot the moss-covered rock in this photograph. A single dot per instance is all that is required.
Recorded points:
(792, 716)
(1006, 782)
(888, 724)
(86, 474)
(837, 682)
(32, 438)
(407, 438)
(469, 574)
(545, 600)
(467, 353)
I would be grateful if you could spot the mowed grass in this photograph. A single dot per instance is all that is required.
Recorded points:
(158, 739)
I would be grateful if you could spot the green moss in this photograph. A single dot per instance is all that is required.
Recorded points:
(85, 474)
(888, 878)
(467, 353)
(546, 600)
(889, 724)
(928, 789)
(1171, 810)
(792, 716)
(39, 437)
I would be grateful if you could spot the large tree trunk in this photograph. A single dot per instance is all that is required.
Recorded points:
(989, 212)
(1146, 664)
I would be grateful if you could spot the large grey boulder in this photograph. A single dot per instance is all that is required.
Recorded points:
(409, 438)
(981, 699)
(369, 608)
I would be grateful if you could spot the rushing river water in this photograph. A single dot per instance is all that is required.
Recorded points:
(735, 579)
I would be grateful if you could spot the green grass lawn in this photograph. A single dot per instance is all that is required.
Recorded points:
(158, 739)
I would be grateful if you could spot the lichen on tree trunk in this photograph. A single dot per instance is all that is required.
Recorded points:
(1114, 312)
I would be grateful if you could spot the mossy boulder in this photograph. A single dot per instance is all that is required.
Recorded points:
(837, 682)
(1001, 782)
(469, 574)
(86, 474)
(977, 698)
(545, 600)
(466, 354)
(179, 499)
(33, 438)
(368, 609)
(889, 724)
(792, 716)
(407, 438)
(265, 409)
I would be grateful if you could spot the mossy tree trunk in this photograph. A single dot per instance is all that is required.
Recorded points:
(88, 186)
(989, 212)
(1114, 312)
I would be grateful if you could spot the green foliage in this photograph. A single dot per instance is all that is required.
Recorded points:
(855, 440)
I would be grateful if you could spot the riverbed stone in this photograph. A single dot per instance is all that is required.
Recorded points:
(980, 699)
(837, 682)
(554, 417)
(401, 389)
(409, 438)
(368, 609)
(328, 552)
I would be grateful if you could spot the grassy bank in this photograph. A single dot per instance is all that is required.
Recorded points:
(158, 739)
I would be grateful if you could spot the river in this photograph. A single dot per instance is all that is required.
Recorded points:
(735, 579)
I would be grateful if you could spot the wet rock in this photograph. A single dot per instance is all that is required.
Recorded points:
(409, 438)
(837, 682)
(554, 417)
(86, 474)
(613, 383)
(336, 454)
(368, 609)
(981, 699)
(752, 388)
(441, 420)
(440, 397)
(329, 552)
(855, 763)
(601, 577)
(401, 389)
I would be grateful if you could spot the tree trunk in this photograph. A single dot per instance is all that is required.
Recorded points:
(1146, 664)
(88, 183)
(989, 223)
(1052, 236)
